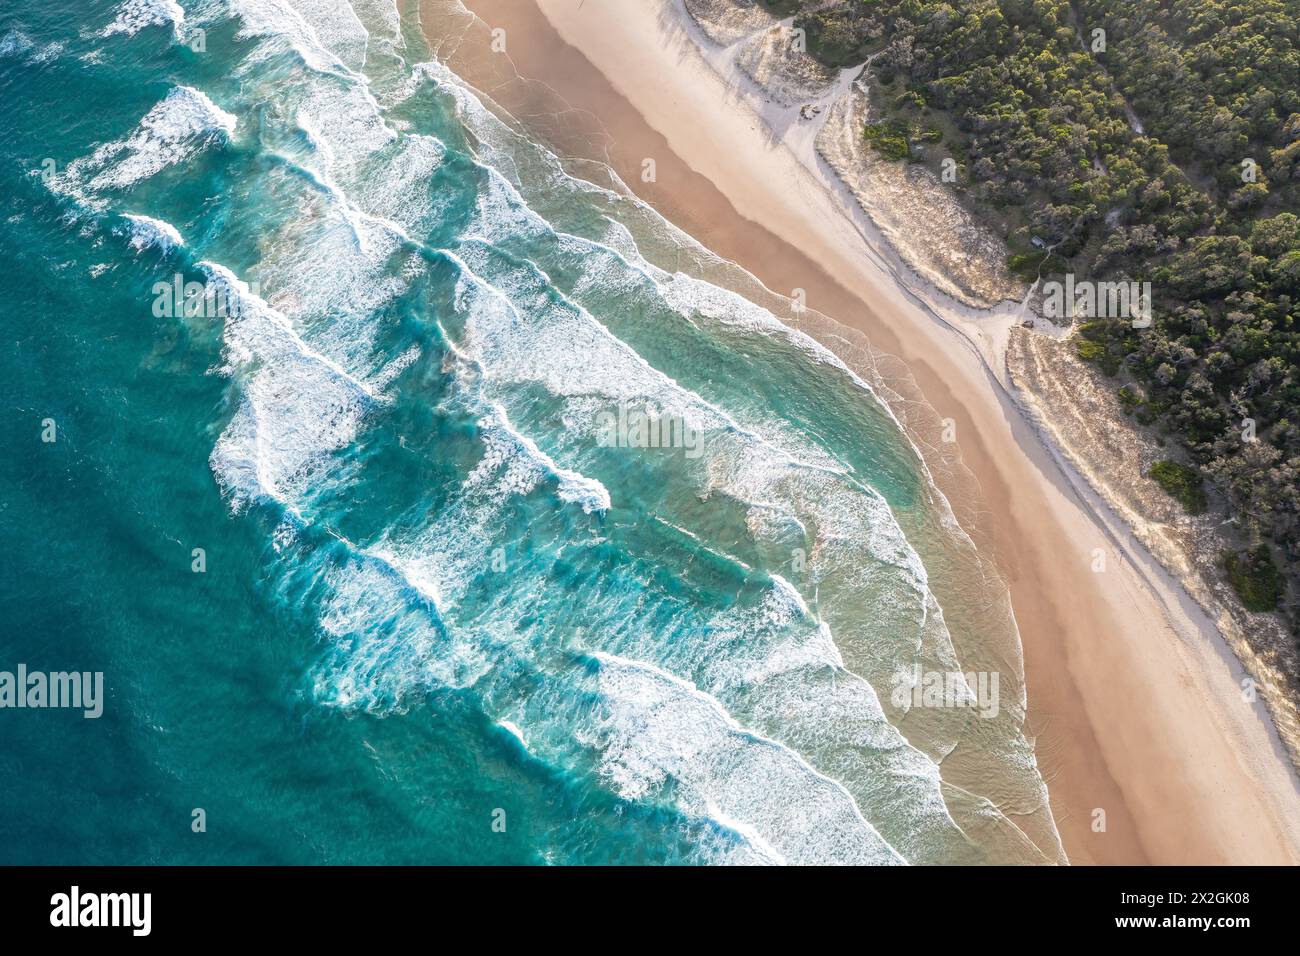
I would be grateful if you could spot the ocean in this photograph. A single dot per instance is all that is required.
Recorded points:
(421, 501)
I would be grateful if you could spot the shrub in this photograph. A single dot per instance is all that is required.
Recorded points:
(889, 139)
(1181, 482)
(1129, 399)
(1255, 578)
(1090, 351)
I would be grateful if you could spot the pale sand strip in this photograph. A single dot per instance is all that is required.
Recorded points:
(1133, 694)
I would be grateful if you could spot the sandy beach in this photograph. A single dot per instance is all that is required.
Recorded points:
(1135, 700)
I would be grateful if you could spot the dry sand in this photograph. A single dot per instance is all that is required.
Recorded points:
(1134, 698)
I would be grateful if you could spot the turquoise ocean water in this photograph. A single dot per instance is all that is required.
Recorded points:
(438, 616)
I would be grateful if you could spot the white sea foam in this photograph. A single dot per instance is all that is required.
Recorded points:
(332, 99)
(388, 638)
(335, 271)
(403, 194)
(526, 466)
(298, 404)
(660, 728)
(336, 28)
(181, 124)
(14, 43)
(385, 376)
(521, 331)
(382, 19)
(50, 51)
(134, 15)
(279, 23)
(148, 232)
(513, 729)
(573, 355)
(754, 850)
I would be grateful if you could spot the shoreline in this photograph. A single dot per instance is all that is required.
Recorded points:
(1152, 731)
